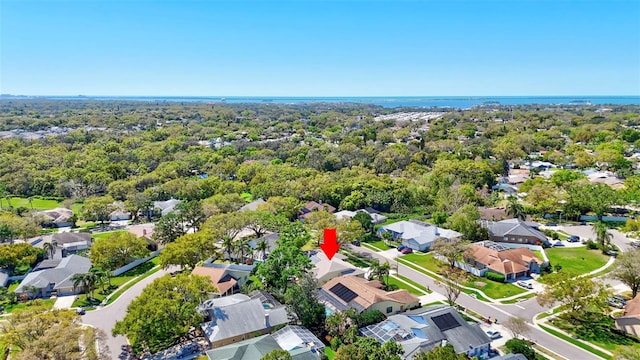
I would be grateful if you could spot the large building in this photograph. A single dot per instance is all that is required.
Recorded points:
(515, 231)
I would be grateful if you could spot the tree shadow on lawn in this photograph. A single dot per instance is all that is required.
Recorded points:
(595, 327)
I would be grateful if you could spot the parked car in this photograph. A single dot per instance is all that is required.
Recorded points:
(407, 250)
(356, 242)
(615, 303)
(558, 243)
(189, 349)
(524, 284)
(619, 298)
(583, 223)
(401, 247)
(552, 223)
(635, 244)
(574, 239)
(494, 334)
(80, 311)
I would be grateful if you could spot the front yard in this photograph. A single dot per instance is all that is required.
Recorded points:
(596, 328)
(427, 261)
(579, 260)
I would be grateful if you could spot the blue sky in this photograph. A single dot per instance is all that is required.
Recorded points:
(320, 48)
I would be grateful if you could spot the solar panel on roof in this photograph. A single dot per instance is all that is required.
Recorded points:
(343, 292)
(445, 322)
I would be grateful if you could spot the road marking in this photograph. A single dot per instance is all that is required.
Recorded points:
(521, 307)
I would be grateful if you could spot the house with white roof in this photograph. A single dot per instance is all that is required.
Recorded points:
(376, 216)
(417, 235)
(325, 269)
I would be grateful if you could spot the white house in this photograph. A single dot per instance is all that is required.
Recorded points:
(417, 235)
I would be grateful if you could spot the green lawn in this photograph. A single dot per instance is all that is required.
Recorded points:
(579, 260)
(247, 196)
(494, 289)
(106, 234)
(48, 303)
(37, 203)
(427, 261)
(597, 329)
(516, 300)
(402, 285)
(329, 353)
(575, 342)
(380, 245)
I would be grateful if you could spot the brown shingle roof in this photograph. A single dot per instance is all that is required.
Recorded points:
(222, 281)
(505, 262)
(370, 292)
(633, 307)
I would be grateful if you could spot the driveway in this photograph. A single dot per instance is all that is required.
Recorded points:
(586, 232)
(105, 318)
(64, 302)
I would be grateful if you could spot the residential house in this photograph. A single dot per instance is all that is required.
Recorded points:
(630, 321)
(312, 206)
(346, 292)
(298, 341)
(376, 216)
(239, 317)
(417, 235)
(607, 178)
(70, 243)
(271, 240)
(55, 277)
(518, 176)
(119, 213)
(513, 263)
(227, 278)
(326, 269)
(165, 207)
(510, 356)
(145, 231)
(515, 231)
(423, 329)
(58, 217)
(252, 206)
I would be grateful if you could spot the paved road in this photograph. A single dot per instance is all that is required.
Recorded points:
(526, 309)
(586, 232)
(105, 318)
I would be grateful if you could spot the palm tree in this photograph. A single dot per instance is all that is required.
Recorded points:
(602, 235)
(514, 208)
(241, 248)
(30, 199)
(103, 277)
(262, 246)
(50, 248)
(31, 291)
(88, 281)
(228, 245)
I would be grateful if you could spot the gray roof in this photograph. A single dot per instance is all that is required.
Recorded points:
(4, 277)
(252, 206)
(514, 227)
(60, 275)
(242, 318)
(69, 237)
(296, 337)
(166, 206)
(511, 357)
(418, 331)
(421, 232)
(250, 349)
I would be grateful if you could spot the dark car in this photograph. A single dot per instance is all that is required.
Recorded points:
(551, 223)
(407, 250)
(573, 239)
(189, 349)
(401, 247)
(80, 311)
(355, 242)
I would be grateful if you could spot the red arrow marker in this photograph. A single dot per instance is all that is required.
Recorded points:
(330, 245)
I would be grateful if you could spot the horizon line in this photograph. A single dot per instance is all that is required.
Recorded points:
(319, 96)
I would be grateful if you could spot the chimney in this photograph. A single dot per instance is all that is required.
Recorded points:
(266, 319)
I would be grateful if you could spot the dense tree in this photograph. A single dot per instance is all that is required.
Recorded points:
(301, 299)
(365, 221)
(40, 333)
(277, 355)
(117, 249)
(97, 208)
(577, 293)
(446, 352)
(164, 311)
(519, 346)
(514, 208)
(189, 250)
(366, 348)
(13, 226)
(19, 255)
(627, 270)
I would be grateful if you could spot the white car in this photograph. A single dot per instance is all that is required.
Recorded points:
(494, 334)
(525, 285)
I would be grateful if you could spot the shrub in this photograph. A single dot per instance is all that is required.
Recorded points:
(519, 346)
(494, 276)
(368, 317)
(592, 245)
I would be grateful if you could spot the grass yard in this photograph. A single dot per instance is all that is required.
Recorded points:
(518, 299)
(597, 329)
(494, 289)
(380, 245)
(401, 285)
(47, 303)
(37, 203)
(579, 260)
(575, 342)
(247, 196)
(427, 261)
(107, 234)
(329, 353)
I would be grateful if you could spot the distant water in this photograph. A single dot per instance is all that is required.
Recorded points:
(462, 102)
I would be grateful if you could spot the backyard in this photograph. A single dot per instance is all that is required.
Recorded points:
(36, 203)
(579, 260)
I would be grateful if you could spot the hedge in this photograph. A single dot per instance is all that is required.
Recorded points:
(494, 276)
